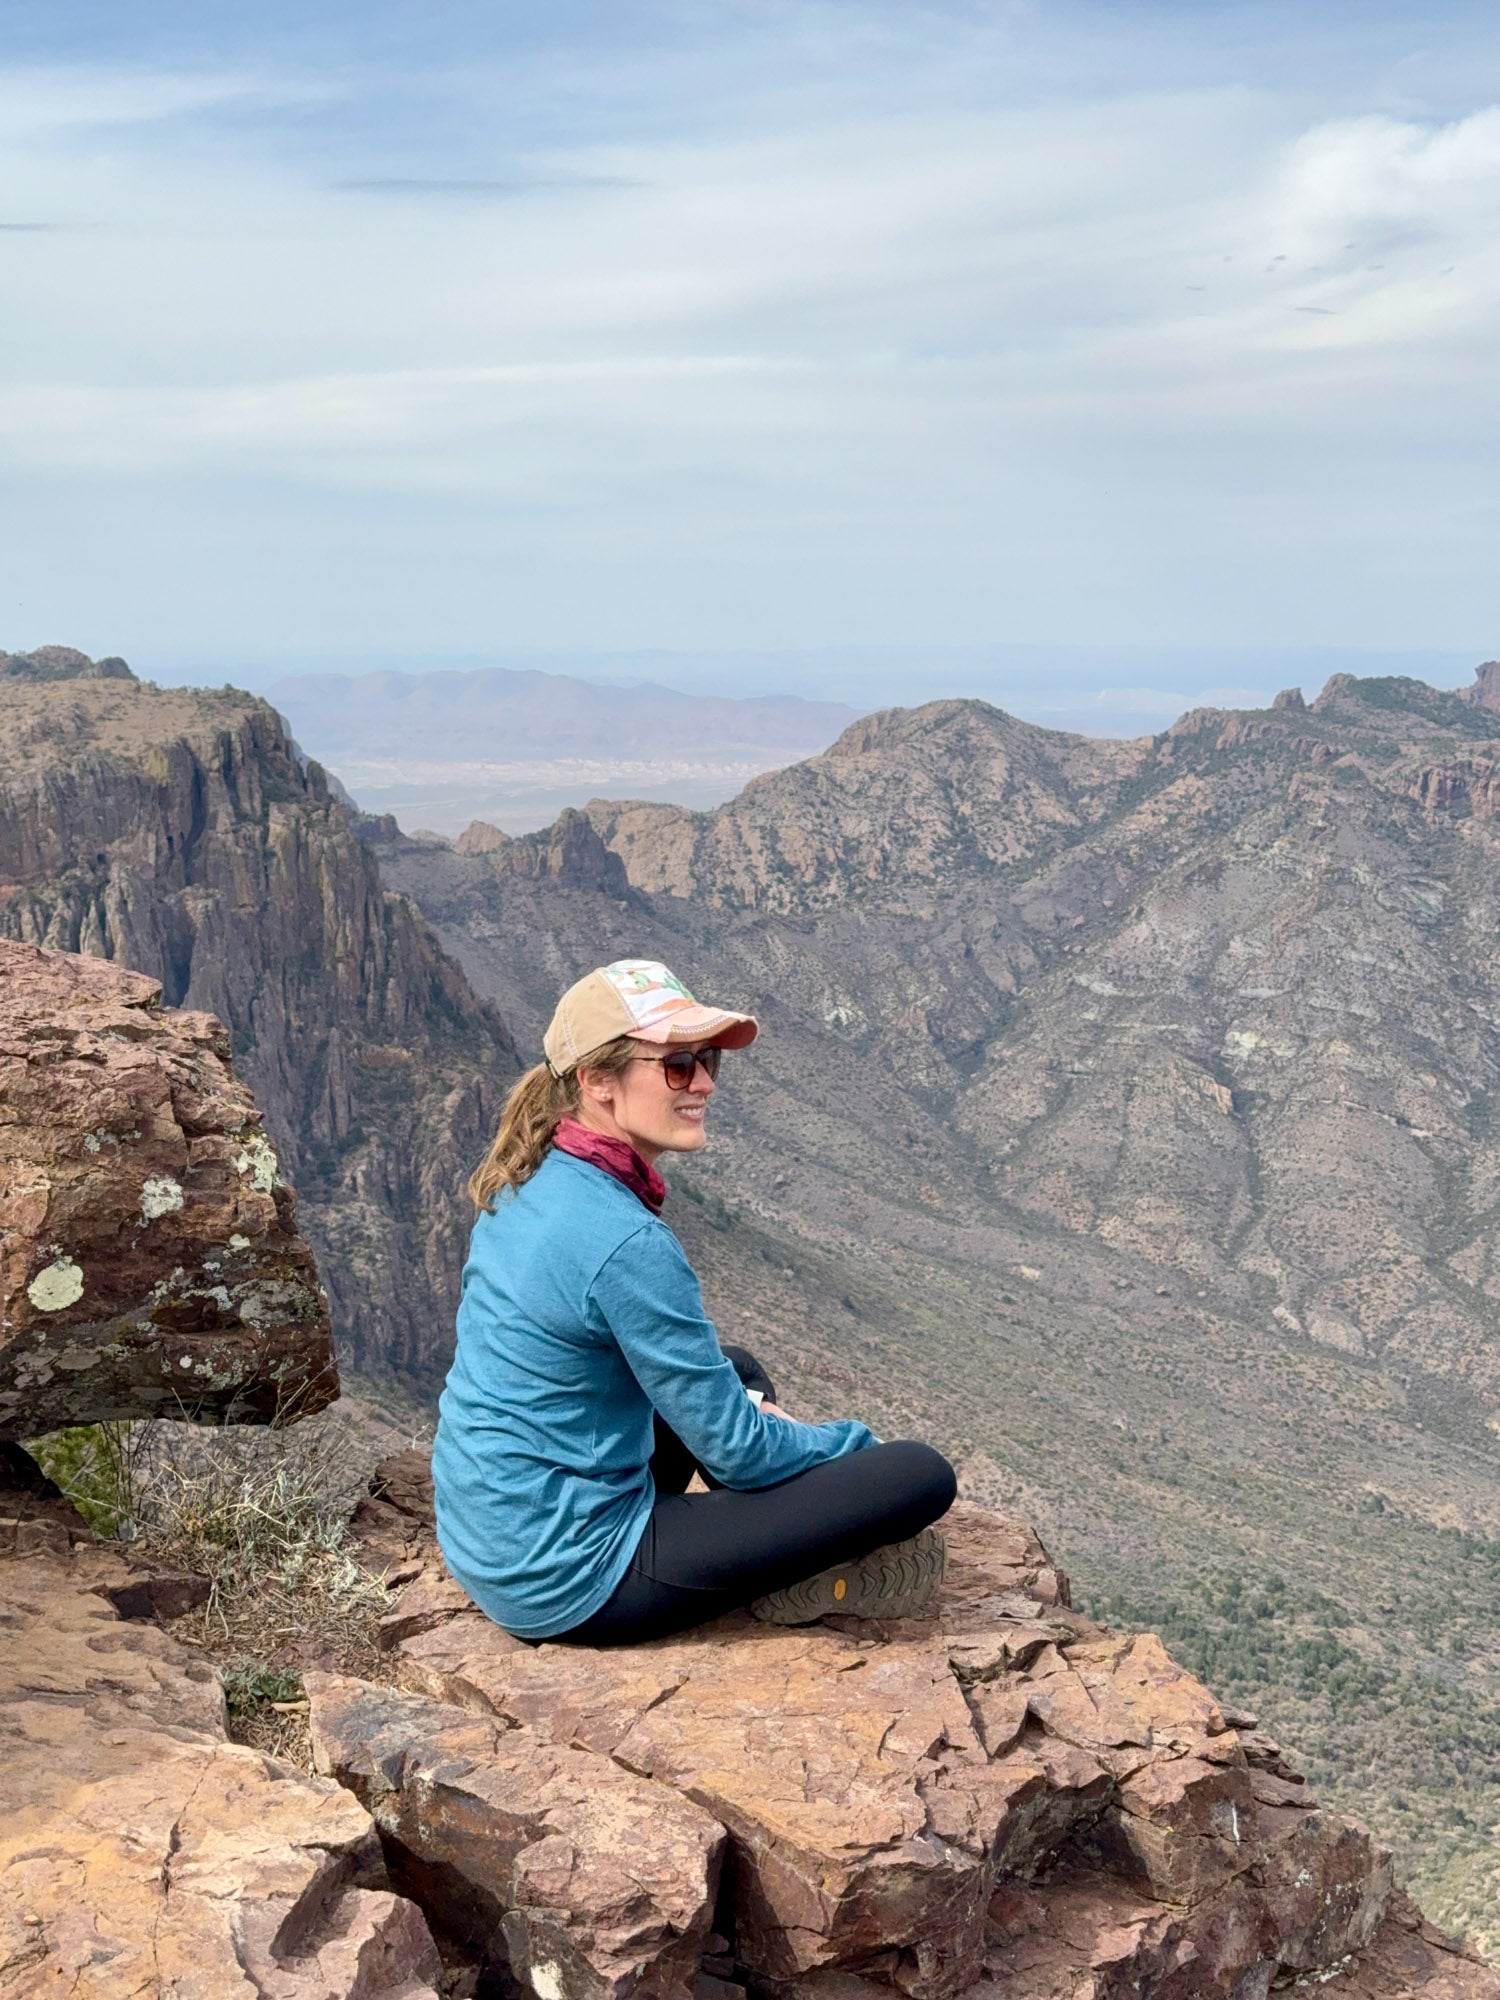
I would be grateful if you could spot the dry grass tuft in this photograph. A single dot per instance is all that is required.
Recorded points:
(263, 1515)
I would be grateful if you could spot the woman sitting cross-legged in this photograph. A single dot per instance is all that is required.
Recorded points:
(589, 1384)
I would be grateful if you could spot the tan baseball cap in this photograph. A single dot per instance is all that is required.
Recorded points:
(639, 997)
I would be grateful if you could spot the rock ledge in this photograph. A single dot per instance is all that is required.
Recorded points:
(1001, 1799)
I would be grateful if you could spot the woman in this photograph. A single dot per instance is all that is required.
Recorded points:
(589, 1385)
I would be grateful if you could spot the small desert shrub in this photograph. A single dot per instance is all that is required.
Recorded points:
(249, 1508)
(249, 1688)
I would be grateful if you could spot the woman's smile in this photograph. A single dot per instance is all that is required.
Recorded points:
(651, 1111)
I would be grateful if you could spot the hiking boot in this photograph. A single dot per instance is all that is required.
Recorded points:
(898, 1581)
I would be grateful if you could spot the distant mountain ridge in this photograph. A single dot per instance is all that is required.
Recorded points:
(517, 746)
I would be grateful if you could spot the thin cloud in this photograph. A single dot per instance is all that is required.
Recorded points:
(67, 100)
(803, 356)
(521, 184)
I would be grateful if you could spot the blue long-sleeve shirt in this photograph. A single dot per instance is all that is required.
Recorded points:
(580, 1316)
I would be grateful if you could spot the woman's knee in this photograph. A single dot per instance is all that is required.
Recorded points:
(924, 1475)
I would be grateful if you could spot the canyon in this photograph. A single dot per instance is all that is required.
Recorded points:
(1122, 1120)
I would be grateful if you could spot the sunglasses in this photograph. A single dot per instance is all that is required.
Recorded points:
(680, 1066)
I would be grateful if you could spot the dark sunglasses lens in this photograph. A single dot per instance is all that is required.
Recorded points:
(681, 1065)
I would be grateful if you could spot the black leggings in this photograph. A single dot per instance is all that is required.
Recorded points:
(702, 1554)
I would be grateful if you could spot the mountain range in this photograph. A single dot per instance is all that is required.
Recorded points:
(515, 747)
(1124, 1118)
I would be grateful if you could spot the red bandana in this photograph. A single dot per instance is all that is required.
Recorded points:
(614, 1157)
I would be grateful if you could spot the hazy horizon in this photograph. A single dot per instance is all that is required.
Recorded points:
(1095, 691)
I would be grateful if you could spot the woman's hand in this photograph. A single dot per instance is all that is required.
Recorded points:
(775, 1410)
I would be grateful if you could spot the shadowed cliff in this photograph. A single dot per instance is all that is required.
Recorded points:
(177, 833)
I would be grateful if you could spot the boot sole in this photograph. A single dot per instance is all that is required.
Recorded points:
(898, 1581)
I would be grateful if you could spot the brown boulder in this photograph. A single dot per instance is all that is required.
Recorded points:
(150, 1262)
(886, 1787)
(143, 1853)
(587, 1882)
(861, 1817)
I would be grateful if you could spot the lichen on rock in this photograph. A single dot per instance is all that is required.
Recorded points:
(56, 1286)
(150, 1261)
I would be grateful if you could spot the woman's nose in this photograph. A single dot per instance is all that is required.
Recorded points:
(701, 1082)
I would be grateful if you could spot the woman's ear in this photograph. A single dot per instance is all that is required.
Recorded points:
(597, 1086)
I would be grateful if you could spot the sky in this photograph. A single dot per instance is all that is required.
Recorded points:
(1098, 358)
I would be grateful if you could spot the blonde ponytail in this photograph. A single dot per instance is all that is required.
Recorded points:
(537, 1104)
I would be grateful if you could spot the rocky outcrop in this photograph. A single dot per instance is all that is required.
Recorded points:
(177, 833)
(570, 854)
(1002, 1798)
(1001, 1801)
(149, 1258)
(1485, 693)
(61, 663)
(150, 1263)
(1080, 1937)
(478, 837)
(1463, 785)
(594, 1882)
(141, 1851)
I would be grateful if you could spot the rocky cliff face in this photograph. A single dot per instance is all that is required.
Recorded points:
(178, 834)
(1123, 1116)
(1486, 689)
